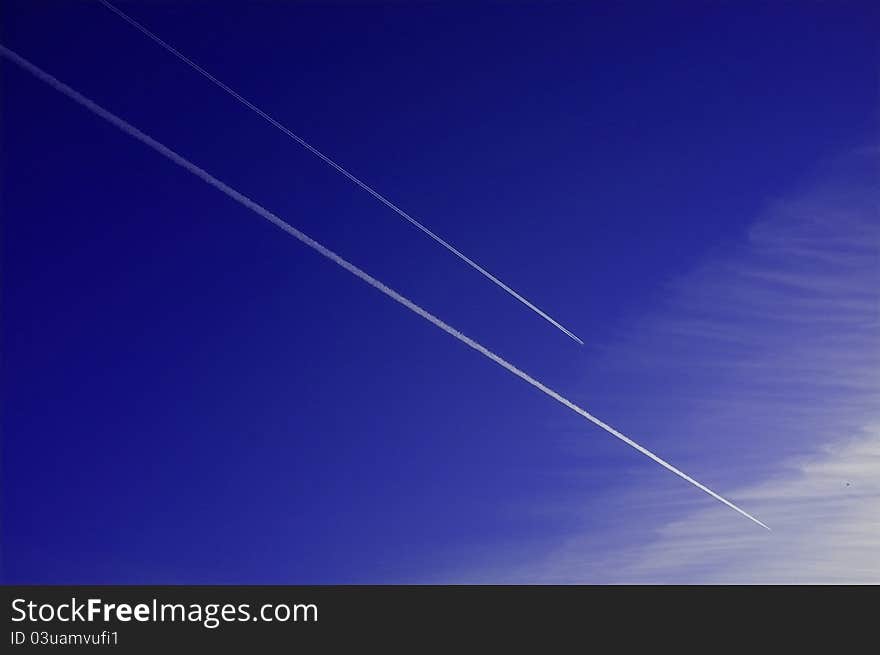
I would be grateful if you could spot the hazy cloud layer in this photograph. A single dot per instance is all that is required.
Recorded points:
(825, 514)
(772, 350)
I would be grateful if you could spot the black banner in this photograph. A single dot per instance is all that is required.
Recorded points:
(153, 619)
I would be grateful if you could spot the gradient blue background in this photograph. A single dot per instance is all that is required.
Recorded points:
(190, 396)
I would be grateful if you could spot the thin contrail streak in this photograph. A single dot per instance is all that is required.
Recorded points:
(336, 166)
(351, 268)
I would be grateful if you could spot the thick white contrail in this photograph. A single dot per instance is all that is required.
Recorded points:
(351, 268)
(336, 166)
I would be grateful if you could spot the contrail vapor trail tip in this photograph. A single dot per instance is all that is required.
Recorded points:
(342, 171)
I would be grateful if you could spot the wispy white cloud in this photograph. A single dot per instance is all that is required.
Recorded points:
(825, 513)
(770, 354)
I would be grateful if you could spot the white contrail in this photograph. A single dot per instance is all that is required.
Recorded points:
(351, 268)
(336, 166)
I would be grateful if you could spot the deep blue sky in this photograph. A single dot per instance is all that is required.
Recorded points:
(191, 396)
